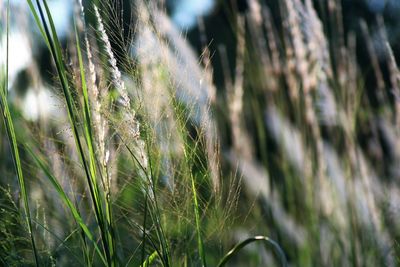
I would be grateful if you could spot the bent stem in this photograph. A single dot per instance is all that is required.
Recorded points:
(244, 243)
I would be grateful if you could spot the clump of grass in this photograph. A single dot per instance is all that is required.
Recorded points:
(15, 241)
(140, 145)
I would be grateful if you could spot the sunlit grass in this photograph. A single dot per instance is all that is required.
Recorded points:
(148, 163)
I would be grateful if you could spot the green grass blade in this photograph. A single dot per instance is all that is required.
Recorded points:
(156, 212)
(65, 199)
(37, 20)
(55, 49)
(153, 208)
(92, 155)
(86, 111)
(9, 125)
(144, 227)
(7, 47)
(150, 259)
(244, 243)
(198, 223)
(189, 154)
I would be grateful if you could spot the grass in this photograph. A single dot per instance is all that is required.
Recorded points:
(9, 125)
(150, 160)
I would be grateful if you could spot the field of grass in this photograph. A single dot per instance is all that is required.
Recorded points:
(138, 157)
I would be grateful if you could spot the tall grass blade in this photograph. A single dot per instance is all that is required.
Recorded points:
(189, 154)
(92, 155)
(65, 199)
(55, 49)
(9, 125)
(198, 226)
(144, 226)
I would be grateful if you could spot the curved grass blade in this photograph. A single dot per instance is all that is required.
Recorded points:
(244, 243)
(149, 260)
